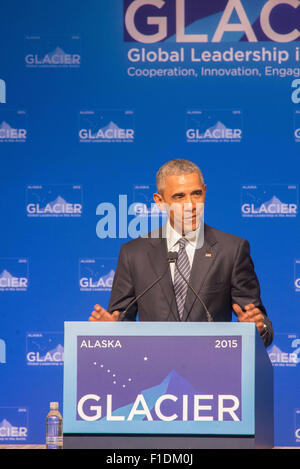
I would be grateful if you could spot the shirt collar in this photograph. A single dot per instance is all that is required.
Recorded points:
(173, 236)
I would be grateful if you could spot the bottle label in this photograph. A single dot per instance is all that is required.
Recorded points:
(54, 438)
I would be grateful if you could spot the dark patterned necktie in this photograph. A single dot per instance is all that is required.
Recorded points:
(180, 286)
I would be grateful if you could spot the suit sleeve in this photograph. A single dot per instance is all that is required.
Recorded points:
(245, 287)
(123, 289)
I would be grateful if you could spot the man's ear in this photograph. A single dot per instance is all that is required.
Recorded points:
(158, 199)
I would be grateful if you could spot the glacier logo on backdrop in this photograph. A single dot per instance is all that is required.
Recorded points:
(286, 351)
(187, 21)
(54, 201)
(106, 126)
(13, 126)
(45, 348)
(13, 424)
(55, 51)
(269, 201)
(96, 274)
(203, 126)
(143, 203)
(14, 274)
(297, 275)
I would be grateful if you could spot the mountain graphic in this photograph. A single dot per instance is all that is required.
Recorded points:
(58, 349)
(218, 126)
(6, 274)
(274, 350)
(273, 201)
(57, 51)
(6, 424)
(108, 276)
(177, 386)
(59, 200)
(5, 125)
(173, 383)
(110, 126)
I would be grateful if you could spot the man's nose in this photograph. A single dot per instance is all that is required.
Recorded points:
(188, 205)
(188, 200)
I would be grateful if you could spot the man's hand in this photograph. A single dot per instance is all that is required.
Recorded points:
(100, 314)
(251, 314)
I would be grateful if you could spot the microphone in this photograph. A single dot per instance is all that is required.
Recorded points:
(171, 257)
(208, 315)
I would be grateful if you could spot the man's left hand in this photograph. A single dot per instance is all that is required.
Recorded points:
(251, 314)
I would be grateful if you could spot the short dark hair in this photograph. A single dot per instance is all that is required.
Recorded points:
(176, 167)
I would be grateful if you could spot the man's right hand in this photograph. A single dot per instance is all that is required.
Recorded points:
(100, 314)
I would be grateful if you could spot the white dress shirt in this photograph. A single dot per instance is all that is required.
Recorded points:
(193, 242)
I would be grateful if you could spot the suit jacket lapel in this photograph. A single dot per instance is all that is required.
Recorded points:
(203, 260)
(158, 258)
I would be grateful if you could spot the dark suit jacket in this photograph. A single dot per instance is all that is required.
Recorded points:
(222, 274)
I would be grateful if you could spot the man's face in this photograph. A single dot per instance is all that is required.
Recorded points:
(183, 198)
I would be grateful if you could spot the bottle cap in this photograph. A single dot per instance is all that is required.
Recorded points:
(54, 405)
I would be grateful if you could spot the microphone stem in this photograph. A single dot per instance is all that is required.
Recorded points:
(123, 314)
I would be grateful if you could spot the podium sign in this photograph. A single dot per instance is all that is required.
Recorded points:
(138, 378)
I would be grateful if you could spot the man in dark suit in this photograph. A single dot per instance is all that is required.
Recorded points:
(218, 265)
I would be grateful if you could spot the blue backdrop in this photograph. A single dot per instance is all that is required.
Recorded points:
(94, 97)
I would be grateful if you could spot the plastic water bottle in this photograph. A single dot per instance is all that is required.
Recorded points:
(54, 428)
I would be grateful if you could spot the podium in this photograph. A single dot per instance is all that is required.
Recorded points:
(166, 385)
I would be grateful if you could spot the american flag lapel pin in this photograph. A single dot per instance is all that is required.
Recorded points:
(208, 254)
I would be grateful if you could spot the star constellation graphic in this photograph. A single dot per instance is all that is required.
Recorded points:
(113, 375)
